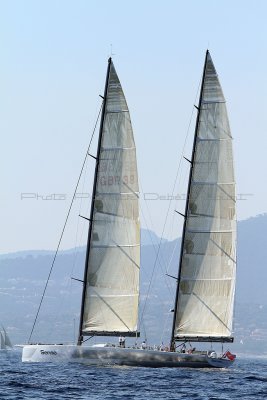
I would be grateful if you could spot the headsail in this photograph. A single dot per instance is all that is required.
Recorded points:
(112, 278)
(206, 284)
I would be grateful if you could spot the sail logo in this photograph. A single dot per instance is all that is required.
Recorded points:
(116, 180)
(48, 353)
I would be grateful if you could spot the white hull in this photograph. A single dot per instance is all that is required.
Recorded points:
(110, 356)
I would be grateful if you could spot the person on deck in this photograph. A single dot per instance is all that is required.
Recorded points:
(122, 341)
(144, 345)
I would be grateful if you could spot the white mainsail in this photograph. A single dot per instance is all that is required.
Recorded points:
(112, 283)
(4, 340)
(208, 262)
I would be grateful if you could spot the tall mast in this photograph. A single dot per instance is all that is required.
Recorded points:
(172, 346)
(80, 336)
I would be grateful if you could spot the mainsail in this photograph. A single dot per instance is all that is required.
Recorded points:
(4, 340)
(111, 291)
(206, 281)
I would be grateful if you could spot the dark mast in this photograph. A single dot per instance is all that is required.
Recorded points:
(172, 343)
(80, 336)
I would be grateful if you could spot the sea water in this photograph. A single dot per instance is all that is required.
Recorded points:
(246, 379)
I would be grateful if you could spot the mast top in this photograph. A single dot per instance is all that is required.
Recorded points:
(111, 53)
(208, 56)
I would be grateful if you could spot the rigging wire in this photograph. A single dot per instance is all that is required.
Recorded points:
(78, 239)
(168, 210)
(144, 271)
(69, 285)
(151, 224)
(161, 261)
(65, 223)
(180, 161)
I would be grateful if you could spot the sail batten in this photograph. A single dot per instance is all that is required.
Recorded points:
(113, 264)
(206, 284)
(115, 245)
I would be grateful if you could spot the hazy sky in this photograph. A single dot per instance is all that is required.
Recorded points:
(53, 65)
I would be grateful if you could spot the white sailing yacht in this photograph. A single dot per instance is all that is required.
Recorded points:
(203, 309)
(5, 343)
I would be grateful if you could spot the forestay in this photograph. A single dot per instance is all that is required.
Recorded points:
(112, 285)
(208, 261)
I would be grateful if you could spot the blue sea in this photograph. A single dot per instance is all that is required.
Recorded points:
(247, 379)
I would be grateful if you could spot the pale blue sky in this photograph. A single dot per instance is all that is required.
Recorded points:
(53, 65)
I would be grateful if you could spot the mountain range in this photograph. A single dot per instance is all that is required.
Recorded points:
(23, 277)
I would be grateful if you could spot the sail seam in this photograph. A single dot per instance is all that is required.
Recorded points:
(117, 148)
(213, 102)
(206, 231)
(205, 279)
(214, 140)
(212, 183)
(114, 246)
(116, 193)
(112, 296)
(116, 111)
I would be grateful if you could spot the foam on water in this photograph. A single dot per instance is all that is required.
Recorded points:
(246, 380)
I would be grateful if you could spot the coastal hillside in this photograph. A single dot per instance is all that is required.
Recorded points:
(23, 276)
